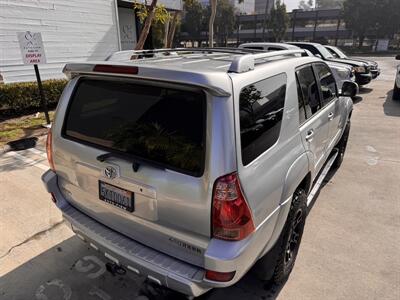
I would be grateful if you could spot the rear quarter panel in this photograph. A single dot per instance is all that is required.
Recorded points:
(264, 180)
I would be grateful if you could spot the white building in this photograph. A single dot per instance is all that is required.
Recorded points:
(72, 30)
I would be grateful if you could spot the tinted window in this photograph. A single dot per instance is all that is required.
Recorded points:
(261, 111)
(327, 81)
(275, 49)
(302, 108)
(309, 88)
(160, 125)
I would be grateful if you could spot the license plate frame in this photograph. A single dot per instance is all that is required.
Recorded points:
(125, 199)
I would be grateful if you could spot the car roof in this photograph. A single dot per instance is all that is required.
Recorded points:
(284, 45)
(207, 68)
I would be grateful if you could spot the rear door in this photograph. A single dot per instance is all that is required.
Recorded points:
(329, 101)
(132, 155)
(314, 128)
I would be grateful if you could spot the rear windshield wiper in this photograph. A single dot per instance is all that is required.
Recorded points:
(136, 163)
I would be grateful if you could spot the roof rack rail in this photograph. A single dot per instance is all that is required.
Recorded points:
(171, 51)
(246, 62)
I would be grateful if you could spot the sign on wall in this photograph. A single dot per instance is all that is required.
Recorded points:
(32, 49)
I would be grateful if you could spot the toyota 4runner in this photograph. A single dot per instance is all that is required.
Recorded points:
(191, 166)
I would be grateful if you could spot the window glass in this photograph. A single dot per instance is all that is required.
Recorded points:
(161, 125)
(275, 49)
(309, 90)
(327, 81)
(254, 47)
(261, 111)
(302, 109)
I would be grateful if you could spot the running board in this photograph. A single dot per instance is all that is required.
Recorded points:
(321, 178)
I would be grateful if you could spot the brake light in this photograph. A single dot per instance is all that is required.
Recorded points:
(231, 216)
(49, 150)
(219, 276)
(116, 69)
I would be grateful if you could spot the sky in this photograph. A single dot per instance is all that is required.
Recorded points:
(291, 4)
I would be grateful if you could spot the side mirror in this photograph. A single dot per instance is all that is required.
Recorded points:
(349, 89)
(318, 55)
(398, 56)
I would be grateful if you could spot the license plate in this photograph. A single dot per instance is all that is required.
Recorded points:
(116, 196)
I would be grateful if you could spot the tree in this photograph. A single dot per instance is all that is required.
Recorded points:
(306, 5)
(278, 21)
(365, 16)
(213, 6)
(193, 18)
(224, 21)
(149, 15)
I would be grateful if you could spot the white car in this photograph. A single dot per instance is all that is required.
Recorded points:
(341, 72)
(396, 89)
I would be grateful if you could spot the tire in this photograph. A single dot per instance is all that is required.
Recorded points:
(342, 145)
(286, 248)
(396, 92)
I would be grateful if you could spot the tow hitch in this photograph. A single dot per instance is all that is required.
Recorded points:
(115, 269)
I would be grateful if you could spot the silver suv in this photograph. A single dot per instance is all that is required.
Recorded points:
(191, 166)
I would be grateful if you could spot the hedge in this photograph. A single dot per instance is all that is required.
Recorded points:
(24, 96)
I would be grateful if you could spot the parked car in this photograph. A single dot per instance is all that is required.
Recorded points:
(361, 70)
(338, 53)
(396, 88)
(191, 168)
(342, 72)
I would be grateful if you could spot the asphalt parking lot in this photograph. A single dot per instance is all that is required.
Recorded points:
(349, 249)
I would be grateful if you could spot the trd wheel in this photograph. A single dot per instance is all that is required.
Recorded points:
(342, 145)
(278, 263)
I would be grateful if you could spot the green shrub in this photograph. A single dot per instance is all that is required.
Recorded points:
(24, 96)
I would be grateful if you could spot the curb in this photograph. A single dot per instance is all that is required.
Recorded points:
(5, 149)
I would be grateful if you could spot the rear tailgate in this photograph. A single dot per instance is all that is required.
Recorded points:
(155, 183)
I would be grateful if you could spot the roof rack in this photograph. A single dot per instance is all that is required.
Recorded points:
(246, 62)
(243, 63)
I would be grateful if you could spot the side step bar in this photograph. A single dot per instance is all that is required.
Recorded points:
(321, 177)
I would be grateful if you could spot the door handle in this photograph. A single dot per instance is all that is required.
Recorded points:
(330, 116)
(310, 135)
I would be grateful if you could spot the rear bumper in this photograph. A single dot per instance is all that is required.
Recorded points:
(221, 256)
(363, 79)
(375, 73)
(136, 257)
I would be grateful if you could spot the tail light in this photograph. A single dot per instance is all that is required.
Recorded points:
(231, 216)
(49, 150)
(219, 276)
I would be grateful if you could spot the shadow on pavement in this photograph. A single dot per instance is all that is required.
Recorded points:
(391, 107)
(71, 270)
(357, 99)
(365, 90)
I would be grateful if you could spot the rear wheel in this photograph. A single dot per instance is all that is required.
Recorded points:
(342, 145)
(286, 248)
(396, 92)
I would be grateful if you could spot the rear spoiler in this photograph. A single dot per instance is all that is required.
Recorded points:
(72, 70)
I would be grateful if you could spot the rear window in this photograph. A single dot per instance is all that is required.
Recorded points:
(154, 124)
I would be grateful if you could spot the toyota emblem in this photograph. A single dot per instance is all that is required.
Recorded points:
(110, 172)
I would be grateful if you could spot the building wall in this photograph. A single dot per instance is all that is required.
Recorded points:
(260, 5)
(72, 30)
